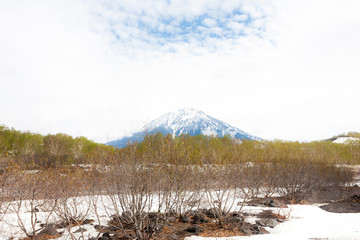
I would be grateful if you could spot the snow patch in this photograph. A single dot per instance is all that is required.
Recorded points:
(346, 140)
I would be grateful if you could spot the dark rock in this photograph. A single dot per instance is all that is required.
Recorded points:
(246, 230)
(113, 228)
(171, 219)
(79, 230)
(48, 232)
(271, 223)
(235, 214)
(274, 203)
(194, 229)
(52, 225)
(151, 227)
(106, 235)
(268, 202)
(258, 230)
(153, 215)
(255, 229)
(154, 226)
(260, 222)
(88, 221)
(263, 231)
(190, 213)
(199, 218)
(267, 222)
(355, 197)
(213, 213)
(99, 227)
(184, 219)
(234, 219)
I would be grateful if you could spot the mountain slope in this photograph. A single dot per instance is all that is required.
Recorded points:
(186, 121)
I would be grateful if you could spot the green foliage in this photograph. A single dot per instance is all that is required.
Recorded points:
(60, 149)
(200, 149)
(50, 150)
(353, 134)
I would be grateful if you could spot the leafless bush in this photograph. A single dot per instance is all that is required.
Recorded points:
(32, 192)
(298, 178)
(220, 187)
(72, 208)
(131, 198)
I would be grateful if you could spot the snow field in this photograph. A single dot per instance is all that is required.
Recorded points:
(304, 221)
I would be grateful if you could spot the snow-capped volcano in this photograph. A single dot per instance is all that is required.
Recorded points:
(186, 121)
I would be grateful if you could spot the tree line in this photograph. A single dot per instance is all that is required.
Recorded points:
(61, 149)
(224, 150)
(45, 150)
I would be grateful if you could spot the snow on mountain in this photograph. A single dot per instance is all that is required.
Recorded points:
(186, 121)
(345, 140)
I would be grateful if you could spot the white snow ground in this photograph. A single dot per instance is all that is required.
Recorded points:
(310, 222)
(345, 139)
(304, 222)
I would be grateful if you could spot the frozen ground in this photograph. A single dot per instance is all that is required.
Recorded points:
(345, 139)
(311, 222)
(304, 222)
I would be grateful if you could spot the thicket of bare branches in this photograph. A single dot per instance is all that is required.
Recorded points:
(138, 189)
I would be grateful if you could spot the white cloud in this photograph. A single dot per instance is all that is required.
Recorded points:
(85, 68)
(241, 17)
(209, 22)
(236, 26)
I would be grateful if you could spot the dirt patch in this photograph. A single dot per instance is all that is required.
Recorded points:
(329, 194)
(233, 224)
(207, 230)
(350, 205)
(278, 202)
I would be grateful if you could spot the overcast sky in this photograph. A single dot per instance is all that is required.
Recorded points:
(280, 69)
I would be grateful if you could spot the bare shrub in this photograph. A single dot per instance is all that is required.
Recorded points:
(132, 199)
(73, 206)
(298, 178)
(220, 190)
(32, 192)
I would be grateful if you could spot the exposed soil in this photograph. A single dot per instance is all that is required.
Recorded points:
(336, 199)
(207, 230)
(233, 225)
(350, 205)
(280, 202)
(331, 194)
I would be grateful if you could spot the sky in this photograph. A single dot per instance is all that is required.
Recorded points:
(278, 69)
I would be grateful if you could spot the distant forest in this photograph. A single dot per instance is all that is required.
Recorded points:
(48, 150)
(53, 150)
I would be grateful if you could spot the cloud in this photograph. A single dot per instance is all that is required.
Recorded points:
(152, 25)
(276, 69)
(209, 22)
